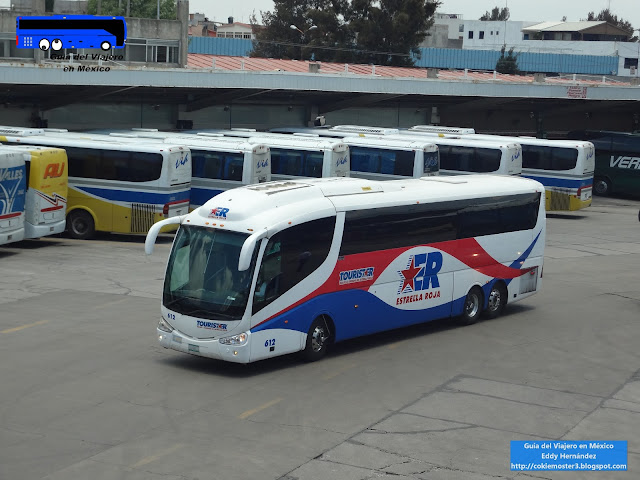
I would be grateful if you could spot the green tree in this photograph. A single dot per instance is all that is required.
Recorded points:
(497, 14)
(276, 38)
(137, 9)
(507, 63)
(607, 16)
(389, 31)
(366, 31)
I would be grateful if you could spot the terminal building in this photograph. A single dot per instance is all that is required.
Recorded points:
(166, 79)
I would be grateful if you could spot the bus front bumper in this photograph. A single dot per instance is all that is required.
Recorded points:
(37, 231)
(13, 236)
(205, 348)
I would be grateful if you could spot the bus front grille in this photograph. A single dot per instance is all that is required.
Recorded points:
(142, 217)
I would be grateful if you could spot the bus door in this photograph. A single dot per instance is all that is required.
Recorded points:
(178, 187)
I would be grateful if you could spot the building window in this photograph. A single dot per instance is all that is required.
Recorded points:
(630, 62)
(497, 32)
(525, 36)
(238, 35)
(246, 35)
(481, 35)
(461, 27)
(491, 32)
(470, 33)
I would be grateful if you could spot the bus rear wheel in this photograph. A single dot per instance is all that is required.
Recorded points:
(472, 306)
(318, 340)
(80, 224)
(105, 46)
(602, 186)
(497, 300)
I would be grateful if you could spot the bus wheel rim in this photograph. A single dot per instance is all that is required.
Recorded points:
(318, 339)
(494, 299)
(472, 305)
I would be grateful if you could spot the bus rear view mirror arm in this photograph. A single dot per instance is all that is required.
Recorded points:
(152, 235)
(249, 245)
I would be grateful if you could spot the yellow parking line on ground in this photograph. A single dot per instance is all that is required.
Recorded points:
(114, 302)
(248, 413)
(339, 371)
(22, 327)
(153, 458)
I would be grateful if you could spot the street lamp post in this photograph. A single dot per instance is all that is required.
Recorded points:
(302, 34)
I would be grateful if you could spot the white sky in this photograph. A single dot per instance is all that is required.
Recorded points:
(526, 10)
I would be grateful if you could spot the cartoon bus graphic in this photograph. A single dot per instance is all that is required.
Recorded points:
(71, 31)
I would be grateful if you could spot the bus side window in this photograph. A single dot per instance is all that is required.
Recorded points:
(291, 256)
(313, 165)
(404, 163)
(233, 168)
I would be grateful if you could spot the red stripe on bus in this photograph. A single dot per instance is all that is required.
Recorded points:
(51, 209)
(10, 215)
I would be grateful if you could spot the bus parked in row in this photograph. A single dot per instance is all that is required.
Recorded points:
(282, 267)
(13, 186)
(120, 187)
(46, 197)
(617, 168)
(378, 157)
(564, 167)
(458, 155)
(218, 163)
(298, 157)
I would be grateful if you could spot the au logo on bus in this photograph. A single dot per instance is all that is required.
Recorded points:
(71, 31)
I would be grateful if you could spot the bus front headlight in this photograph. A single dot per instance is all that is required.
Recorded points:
(239, 339)
(164, 326)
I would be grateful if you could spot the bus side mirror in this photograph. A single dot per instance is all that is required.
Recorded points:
(152, 235)
(249, 245)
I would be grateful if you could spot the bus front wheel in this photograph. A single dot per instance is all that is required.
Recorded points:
(602, 186)
(497, 300)
(318, 340)
(472, 306)
(80, 224)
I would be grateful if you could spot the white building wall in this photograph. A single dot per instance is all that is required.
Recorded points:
(453, 21)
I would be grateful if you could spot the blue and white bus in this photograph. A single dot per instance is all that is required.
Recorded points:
(13, 189)
(376, 156)
(283, 267)
(218, 162)
(564, 167)
(56, 32)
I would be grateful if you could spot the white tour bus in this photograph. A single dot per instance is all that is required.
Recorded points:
(115, 186)
(298, 156)
(564, 167)
(281, 267)
(13, 187)
(458, 155)
(378, 157)
(218, 163)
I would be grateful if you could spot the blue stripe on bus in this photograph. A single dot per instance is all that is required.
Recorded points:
(561, 182)
(134, 197)
(200, 196)
(372, 315)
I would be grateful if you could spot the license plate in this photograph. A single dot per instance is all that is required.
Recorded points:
(585, 194)
(194, 348)
(177, 339)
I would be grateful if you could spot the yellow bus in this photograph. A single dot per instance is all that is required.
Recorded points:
(45, 204)
(120, 187)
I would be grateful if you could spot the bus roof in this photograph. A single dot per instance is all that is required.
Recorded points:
(82, 140)
(467, 140)
(387, 141)
(275, 205)
(298, 143)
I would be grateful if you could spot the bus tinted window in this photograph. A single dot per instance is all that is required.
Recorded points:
(378, 160)
(114, 165)
(626, 145)
(298, 163)
(290, 256)
(487, 160)
(395, 227)
(564, 158)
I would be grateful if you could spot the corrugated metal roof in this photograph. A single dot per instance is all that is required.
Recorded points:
(223, 62)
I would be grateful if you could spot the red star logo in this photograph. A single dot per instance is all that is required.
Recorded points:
(409, 275)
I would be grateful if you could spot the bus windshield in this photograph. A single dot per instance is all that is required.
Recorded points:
(202, 277)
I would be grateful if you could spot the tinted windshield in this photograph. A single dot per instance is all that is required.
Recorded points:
(202, 275)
